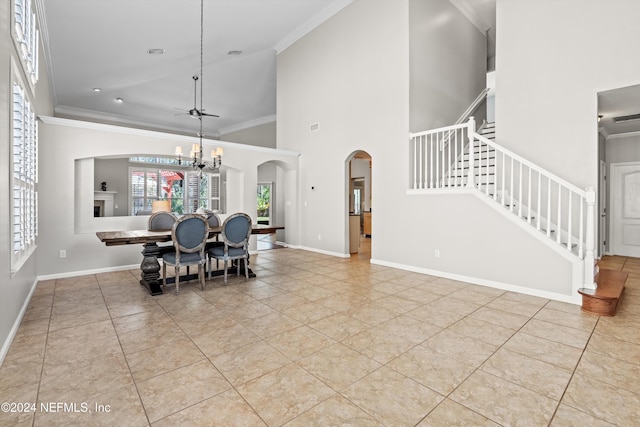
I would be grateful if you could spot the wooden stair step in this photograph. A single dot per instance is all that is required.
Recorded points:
(604, 300)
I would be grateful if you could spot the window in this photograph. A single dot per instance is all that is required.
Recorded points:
(187, 190)
(24, 178)
(25, 36)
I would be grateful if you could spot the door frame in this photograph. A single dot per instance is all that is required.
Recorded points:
(612, 204)
(602, 210)
(270, 185)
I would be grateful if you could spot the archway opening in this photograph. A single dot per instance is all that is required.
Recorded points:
(359, 233)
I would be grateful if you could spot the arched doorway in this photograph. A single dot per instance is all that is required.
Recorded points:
(270, 202)
(358, 194)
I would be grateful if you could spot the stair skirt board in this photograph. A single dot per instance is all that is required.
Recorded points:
(570, 299)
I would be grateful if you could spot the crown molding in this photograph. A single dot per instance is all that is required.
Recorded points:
(471, 15)
(98, 116)
(334, 7)
(603, 131)
(248, 124)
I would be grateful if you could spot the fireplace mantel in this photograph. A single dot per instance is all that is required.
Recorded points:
(103, 202)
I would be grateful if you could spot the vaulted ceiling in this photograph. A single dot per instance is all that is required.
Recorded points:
(104, 45)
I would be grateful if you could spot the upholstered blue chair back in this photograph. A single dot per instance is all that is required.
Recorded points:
(236, 229)
(190, 232)
(213, 219)
(160, 221)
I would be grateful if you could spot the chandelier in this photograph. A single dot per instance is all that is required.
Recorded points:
(196, 159)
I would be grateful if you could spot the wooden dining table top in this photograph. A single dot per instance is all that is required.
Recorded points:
(133, 237)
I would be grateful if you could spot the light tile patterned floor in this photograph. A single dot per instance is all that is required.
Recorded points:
(318, 340)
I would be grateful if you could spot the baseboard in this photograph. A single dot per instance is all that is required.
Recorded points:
(16, 325)
(322, 251)
(86, 272)
(571, 299)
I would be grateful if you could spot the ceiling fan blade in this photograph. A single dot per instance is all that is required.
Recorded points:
(210, 115)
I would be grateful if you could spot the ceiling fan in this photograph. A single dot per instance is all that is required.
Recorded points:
(194, 112)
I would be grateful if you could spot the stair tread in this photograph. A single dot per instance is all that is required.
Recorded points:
(604, 300)
(610, 284)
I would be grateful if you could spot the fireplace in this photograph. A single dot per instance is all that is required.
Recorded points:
(103, 203)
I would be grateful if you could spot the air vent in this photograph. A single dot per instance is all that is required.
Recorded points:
(622, 119)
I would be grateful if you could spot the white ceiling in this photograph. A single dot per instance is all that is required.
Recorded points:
(103, 44)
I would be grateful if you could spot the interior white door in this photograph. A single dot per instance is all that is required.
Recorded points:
(625, 209)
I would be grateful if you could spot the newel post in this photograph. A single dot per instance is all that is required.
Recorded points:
(589, 258)
(471, 130)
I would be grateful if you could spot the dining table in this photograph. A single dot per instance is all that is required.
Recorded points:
(151, 251)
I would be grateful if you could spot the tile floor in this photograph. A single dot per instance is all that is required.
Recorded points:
(321, 341)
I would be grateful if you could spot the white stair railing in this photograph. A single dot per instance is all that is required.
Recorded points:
(435, 153)
(456, 157)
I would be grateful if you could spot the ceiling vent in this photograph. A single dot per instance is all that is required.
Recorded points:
(629, 118)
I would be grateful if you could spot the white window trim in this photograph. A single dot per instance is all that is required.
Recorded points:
(187, 172)
(20, 257)
(27, 45)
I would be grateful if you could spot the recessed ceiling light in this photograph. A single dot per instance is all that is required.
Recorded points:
(234, 52)
(156, 51)
(96, 89)
(119, 100)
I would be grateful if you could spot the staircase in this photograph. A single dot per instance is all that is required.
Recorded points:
(459, 157)
(484, 163)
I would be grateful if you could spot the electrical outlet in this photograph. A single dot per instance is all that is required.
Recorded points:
(319, 236)
(63, 253)
(437, 253)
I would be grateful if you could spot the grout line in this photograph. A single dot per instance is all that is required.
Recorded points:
(124, 355)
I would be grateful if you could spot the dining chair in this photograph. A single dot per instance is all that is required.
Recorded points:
(161, 221)
(213, 219)
(236, 230)
(189, 235)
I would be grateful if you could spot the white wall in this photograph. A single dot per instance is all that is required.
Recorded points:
(263, 135)
(69, 206)
(553, 57)
(354, 82)
(442, 45)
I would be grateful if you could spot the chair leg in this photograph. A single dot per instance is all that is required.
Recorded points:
(201, 274)
(246, 268)
(209, 261)
(225, 271)
(177, 279)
